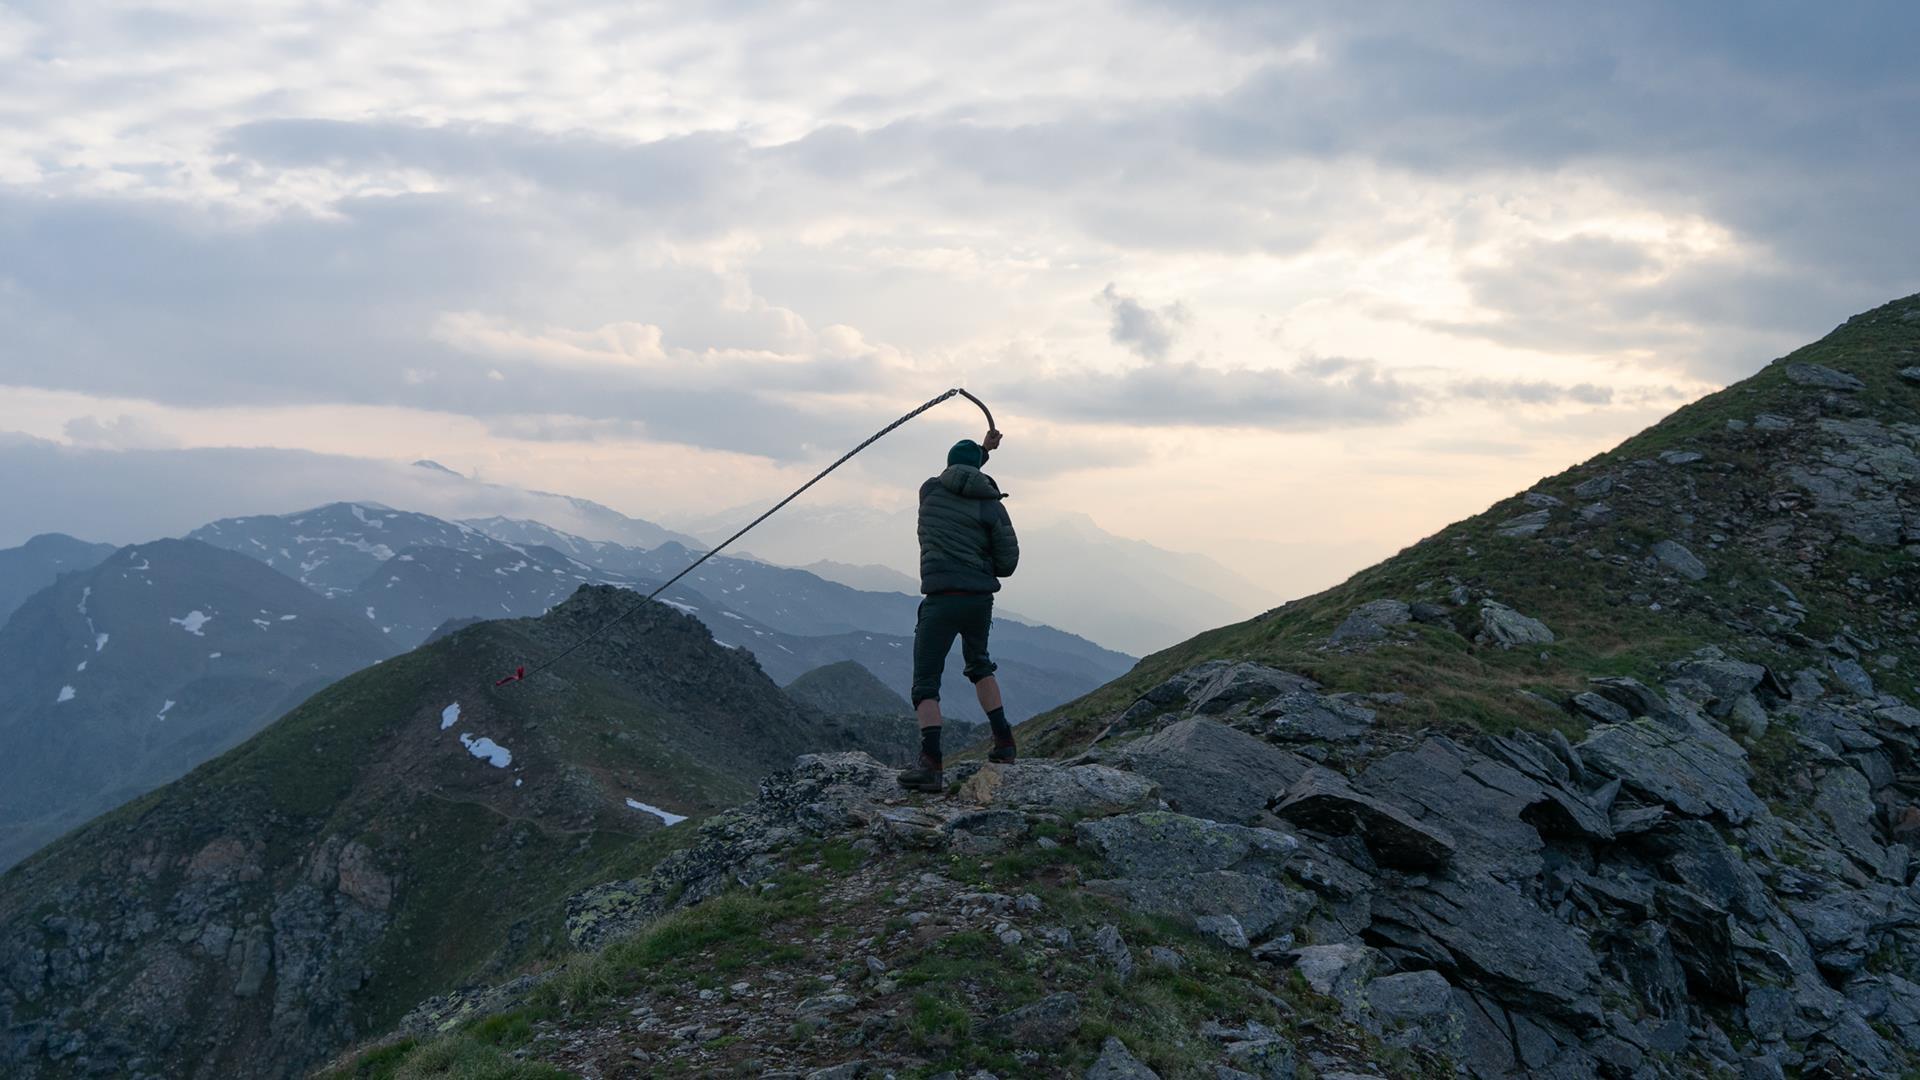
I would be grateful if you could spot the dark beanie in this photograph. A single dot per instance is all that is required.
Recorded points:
(966, 452)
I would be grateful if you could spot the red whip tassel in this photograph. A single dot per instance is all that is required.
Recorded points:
(518, 674)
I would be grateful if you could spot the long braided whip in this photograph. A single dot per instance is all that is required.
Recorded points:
(522, 672)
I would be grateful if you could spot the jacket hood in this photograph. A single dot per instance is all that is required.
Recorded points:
(970, 483)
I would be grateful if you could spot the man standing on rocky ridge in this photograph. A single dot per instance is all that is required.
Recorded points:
(967, 545)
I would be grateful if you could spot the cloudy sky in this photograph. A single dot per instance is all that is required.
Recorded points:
(1288, 284)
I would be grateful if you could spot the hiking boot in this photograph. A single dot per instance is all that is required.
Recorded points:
(1004, 752)
(927, 777)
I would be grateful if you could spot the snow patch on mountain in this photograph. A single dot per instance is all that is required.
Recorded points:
(193, 622)
(449, 716)
(666, 817)
(66, 694)
(487, 750)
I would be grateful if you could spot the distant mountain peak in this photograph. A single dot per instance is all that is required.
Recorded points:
(429, 463)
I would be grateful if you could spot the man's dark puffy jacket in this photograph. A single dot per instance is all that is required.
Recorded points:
(966, 538)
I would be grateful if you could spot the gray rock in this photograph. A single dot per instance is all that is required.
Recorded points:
(1681, 457)
(1244, 684)
(1696, 771)
(1371, 621)
(1528, 524)
(1165, 958)
(1911, 374)
(1824, 378)
(820, 1007)
(1314, 717)
(1053, 1019)
(1324, 801)
(256, 960)
(1598, 513)
(1418, 1009)
(1600, 709)
(1540, 500)
(1225, 928)
(1265, 1059)
(1852, 677)
(1044, 786)
(1111, 948)
(1159, 844)
(1430, 614)
(1772, 422)
(1212, 771)
(1340, 972)
(1117, 1063)
(1186, 868)
(1678, 559)
(1485, 932)
(1508, 628)
(1477, 802)
(1597, 488)
(1632, 695)
(1845, 802)
(849, 1070)
(1729, 680)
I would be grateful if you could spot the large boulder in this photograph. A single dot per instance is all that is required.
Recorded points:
(1675, 557)
(1310, 716)
(1237, 686)
(1728, 680)
(1372, 621)
(1116, 1062)
(1480, 803)
(1162, 844)
(1484, 932)
(1416, 1009)
(1213, 771)
(1322, 800)
(1509, 629)
(1057, 789)
(1696, 771)
(1823, 378)
(1195, 870)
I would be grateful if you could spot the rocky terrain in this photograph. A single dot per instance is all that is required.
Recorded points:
(1617, 779)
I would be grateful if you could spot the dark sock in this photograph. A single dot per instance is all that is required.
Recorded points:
(930, 744)
(1002, 730)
